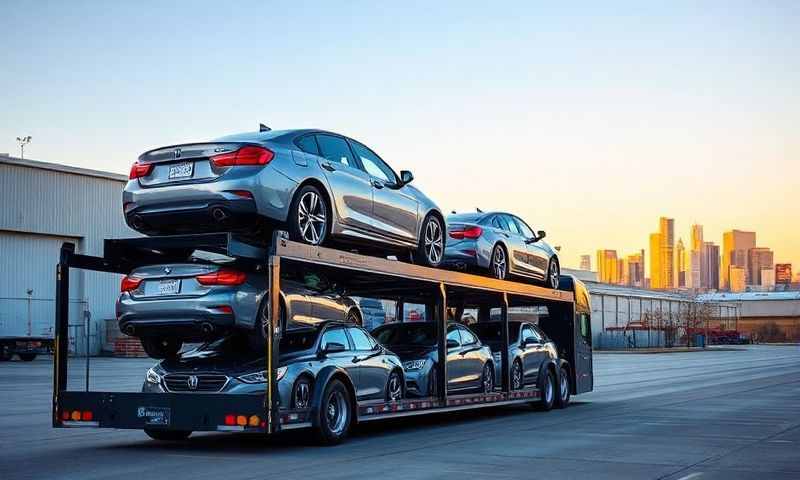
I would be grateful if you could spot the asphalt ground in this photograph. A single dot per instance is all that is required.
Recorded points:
(702, 415)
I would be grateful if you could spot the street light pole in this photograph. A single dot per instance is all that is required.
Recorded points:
(22, 142)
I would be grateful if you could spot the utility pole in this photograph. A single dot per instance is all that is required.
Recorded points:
(22, 142)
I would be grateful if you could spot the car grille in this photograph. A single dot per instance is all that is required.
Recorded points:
(205, 383)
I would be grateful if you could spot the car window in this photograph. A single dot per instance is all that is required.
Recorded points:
(499, 222)
(512, 225)
(524, 228)
(308, 144)
(467, 338)
(336, 150)
(586, 328)
(528, 333)
(360, 339)
(453, 335)
(372, 163)
(335, 335)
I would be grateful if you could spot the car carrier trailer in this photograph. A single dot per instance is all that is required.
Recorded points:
(566, 323)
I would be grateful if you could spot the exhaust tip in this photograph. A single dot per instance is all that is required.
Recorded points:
(207, 328)
(129, 330)
(219, 214)
(137, 222)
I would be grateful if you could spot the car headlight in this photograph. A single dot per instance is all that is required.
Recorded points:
(152, 377)
(414, 364)
(261, 377)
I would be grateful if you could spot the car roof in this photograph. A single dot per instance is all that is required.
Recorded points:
(275, 135)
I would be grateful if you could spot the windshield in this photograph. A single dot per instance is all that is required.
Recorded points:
(492, 331)
(418, 334)
(465, 217)
(298, 340)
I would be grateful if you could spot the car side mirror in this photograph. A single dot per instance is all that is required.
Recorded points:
(452, 344)
(333, 347)
(540, 234)
(406, 177)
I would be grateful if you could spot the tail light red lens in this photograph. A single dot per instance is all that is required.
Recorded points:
(222, 276)
(140, 170)
(86, 415)
(249, 155)
(469, 233)
(242, 193)
(130, 283)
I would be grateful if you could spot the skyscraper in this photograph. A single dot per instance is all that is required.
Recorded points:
(737, 278)
(696, 275)
(711, 262)
(607, 270)
(735, 246)
(666, 231)
(680, 264)
(634, 270)
(655, 261)
(586, 262)
(783, 273)
(759, 258)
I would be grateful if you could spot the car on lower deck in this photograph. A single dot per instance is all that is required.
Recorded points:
(170, 304)
(470, 366)
(528, 349)
(502, 244)
(309, 358)
(320, 186)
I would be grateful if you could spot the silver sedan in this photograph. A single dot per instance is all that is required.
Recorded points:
(503, 244)
(319, 185)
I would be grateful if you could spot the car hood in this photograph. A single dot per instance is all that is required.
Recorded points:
(216, 362)
(412, 352)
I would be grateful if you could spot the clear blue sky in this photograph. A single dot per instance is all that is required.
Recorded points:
(590, 120)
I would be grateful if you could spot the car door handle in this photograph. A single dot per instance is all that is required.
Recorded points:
(327, 166)
(377, 184)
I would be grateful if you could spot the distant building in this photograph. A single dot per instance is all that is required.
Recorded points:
(586, 262)
(711, 262)
(767, 278)
(634, 270)
(666, 230)
(655, 261)
(607, 266)
(737, 278)
(696, 273)
(783, 273)
(735, 245)
(758, 258)
(680, 263)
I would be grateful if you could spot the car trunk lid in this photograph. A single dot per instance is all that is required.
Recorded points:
(186, 163)
(171, 280)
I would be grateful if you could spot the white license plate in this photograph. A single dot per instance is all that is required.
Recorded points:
(169, 287)
(181, 170)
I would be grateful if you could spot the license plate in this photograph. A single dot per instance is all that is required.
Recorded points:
(154, 415)
(181, 170)
(169, 287)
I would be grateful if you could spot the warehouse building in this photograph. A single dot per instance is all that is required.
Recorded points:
(44, 205)
(765, 316)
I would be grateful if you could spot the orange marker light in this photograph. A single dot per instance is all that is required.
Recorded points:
(241, 420)
(254, 421)
(76, 415)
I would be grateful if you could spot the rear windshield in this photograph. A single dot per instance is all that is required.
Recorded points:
(298, 340)
(465, 217)
(492, 331)
(418, 334)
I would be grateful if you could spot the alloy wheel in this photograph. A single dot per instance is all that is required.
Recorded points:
(488, 381)
(302, 394)
(548, 390)
(312, 218)
(336, 412)
(499, 264)
(564, 386)
(516, 376)
(553, 275)
(434, 241)
(395, 387)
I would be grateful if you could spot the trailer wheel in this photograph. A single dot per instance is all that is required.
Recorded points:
(334, 414)
(167, 435)
(5, 352)
(160, 348)
(548, 392)
(563, 388)
(27, 356)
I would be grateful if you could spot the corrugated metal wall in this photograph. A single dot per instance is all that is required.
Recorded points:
(40, 209)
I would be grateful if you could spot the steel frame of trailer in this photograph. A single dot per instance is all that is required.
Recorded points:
(362, 275)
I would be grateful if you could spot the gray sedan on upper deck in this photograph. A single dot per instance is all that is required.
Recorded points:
(320, 185)
(501, 243)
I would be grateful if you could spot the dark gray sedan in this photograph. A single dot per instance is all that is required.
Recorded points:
(167, 305)
(228, 366)
(470, 366)
(528, 349)
(501, 243)
(319, 185)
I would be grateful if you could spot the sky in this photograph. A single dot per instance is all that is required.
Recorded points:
(590, 120)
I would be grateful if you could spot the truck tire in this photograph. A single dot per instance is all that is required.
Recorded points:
(548, 392)
(5, 352)
(335, 414)
(167, 435)
(161, 348)
(563, 397)
(27, 356)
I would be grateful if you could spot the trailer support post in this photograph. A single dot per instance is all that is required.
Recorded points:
(505, 368)
(441, 316)
(272, 335)
(61, 343)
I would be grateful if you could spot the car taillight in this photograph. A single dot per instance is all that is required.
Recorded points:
(249, 155)
(129, 283)
(469, 232)
(140, 170)
(222, 277)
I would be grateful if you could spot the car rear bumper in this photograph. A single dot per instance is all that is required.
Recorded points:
(202, 215)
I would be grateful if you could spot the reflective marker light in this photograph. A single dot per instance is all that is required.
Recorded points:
(254, 421)
(230, 419)
(241, 420)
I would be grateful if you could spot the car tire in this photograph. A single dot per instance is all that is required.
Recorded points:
(167, 435)
(430, 249)
(433, 381)
(301, 392)
(563, 397)
(499, 262)
(394, 387)
(335, 414)
(160, 348)
(310, 216)
(553, 273)
(517, 380)
(27, 357)
(487, 378)
(548, 392)
(5, 352)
